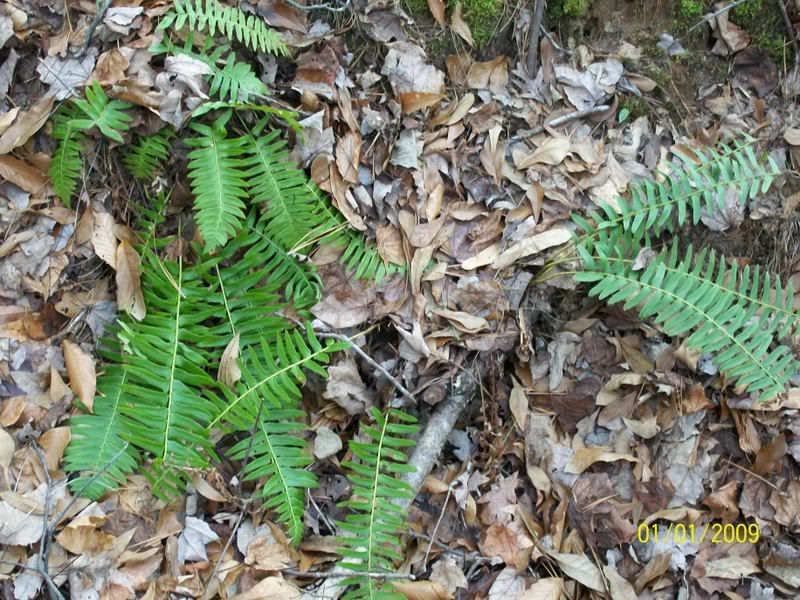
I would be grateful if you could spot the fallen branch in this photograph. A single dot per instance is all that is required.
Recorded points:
(790, 31)
(532, 58)
(562, 120)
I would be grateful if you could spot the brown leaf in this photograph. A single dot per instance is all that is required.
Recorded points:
(518, 404)
(620, 589)
(724, 502)
(787, 506)
(12, 410)
(463, 321)
(459, 25)
(346, 388)
(7, 447)
(437, 10)
(54, 442)
(532, 245)
(263, 553)
(270, 587)
(22, 175)
(552, 152)
(80, 367)
(580, 568)
(586, 457)
(348, 152)
(110, 68)
(422, 590)
(104, 241)
(279, 14)
(128, 278)
(491, 75)
(26, 124)
(413, 101)
(770, 457)
(229, 371)
(547, 588)
(389, 243)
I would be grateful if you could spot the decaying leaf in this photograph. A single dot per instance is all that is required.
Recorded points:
(229, 372)
(80, 368)
(128, 278)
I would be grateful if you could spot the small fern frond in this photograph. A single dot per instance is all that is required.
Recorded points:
(66, 165)
(217, 178)
(278, 371)
(169, 398)
(290, 210)
(376, 522)
(276, 454)
(96, 449)
(233, 23)
(287, 116)
(147, 155)
(699, 182)
(685, 295)
(236, 81)
(108, 116)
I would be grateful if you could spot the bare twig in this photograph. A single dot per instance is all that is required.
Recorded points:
(790, 31)
(101, 12)
(342, 574)
(705, 20)
(321, 6)
(532, 59)
(399, 386)
(562, 120)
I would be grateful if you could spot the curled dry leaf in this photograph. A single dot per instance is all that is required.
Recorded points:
(552, 152)
(532, 245)
(82, 377)
(104, 241)
(348, 153)
(459, 25)
(26, 124)
(437, 10)
(229, 372)
(128, 278)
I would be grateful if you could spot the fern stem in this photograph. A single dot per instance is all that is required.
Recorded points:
(173, 363)
(373, 503)
(225, 300)
(681, 300)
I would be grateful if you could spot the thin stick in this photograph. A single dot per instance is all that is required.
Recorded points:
(706, 19)
(790, 30)
(532, 59)
(101, 12)
(347, 573)
(562, 120)
(399, 386)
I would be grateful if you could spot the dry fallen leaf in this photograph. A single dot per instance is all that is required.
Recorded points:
(128, 278)
(22, 175)
(437, 10)
(552, 152)
(104, 241)
(580, 568)
(532, 245)
(586, 457)
(7, 448)
(26, 124)
(270, 587)
(547, 588)
(54, 442)
(229, 372)
(459, 25)
(348, 153)
(80, 367)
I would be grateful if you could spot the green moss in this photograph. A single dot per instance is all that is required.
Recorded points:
(690, 8)
(416, 8)
(636, 107)
(568, 8)
(763, 21)
(483, 18)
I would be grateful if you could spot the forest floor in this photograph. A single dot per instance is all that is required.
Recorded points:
(596, 457)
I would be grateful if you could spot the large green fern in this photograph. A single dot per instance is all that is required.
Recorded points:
(740, 317)
(80, 115)
(212, 17)
(376, 521)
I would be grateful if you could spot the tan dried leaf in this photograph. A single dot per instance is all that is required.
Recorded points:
(104, 241)
(459, 25)
(413, 101)
(229, 372)
(422, 590)
(54, 442)
(518, 403)
(26, 124)
(552, 152)
(581, 569)
(128, 277)
(618, 586)
(547, 588)
(82, 377)
(437, 10)
(532, 245)
(792, 136)
(586, 457)
(730, 567)
(348, 153)
(23, 175)
(270, 587)
(7, 448)
(463, 321)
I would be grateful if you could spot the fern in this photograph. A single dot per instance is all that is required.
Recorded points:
(146, 157)
(376, 522)
(65, 167)
(108, 116)
(233, 81)
(233, 23)
(267, 398)
(217, 177)
(169, 394)
(693, 294)
(97, 449)
(698, 182)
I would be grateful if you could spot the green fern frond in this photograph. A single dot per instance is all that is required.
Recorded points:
(108, 116)
(97, 449)
(287, 116)
(66, 165)
(699, 295)
(699, 182)
(277, 455)
(279, 370)
(169, 395)
(376, 522)
(147, 155)
(217, 178)
(233, 23)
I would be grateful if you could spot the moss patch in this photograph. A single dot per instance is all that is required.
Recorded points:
(482, 16)
(568, 8)
(762, 19)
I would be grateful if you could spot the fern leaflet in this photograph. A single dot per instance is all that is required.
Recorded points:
(96, 447)
(217, 179)
(108, 116)
(146, 157)
(376, 522)
(65, 167)
(233, 23)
